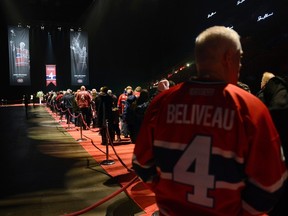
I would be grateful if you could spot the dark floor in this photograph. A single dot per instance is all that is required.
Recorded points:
(44, 170)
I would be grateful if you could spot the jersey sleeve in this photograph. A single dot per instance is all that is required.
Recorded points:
(264, 163)
(143, 158)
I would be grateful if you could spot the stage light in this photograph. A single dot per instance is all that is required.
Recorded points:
(59, 28)
(71, 29)
(19, 25)
(28, 26)
(42, 27)
(79, 29)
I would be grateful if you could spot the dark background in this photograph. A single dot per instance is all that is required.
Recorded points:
(137, 42)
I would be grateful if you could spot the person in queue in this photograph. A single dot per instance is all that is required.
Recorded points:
(204, 144)
(104, 109)
(274, 94)
(84, 99)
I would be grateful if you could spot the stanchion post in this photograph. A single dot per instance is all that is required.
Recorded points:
(107, 161)
(55, 109)
(68, 118)
(68, 126)
(81, 126)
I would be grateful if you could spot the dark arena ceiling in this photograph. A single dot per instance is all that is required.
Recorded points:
(46, 11)
(147, 39)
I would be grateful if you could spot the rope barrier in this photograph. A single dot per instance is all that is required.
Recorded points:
(121, 161)
(89, 208)
(118, 157)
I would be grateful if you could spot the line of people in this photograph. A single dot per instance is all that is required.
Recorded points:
(118, 115)
(204, 146)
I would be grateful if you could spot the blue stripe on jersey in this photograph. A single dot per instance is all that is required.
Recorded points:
(166, 158)
(258, 198)
(224, 169)
(145, 174)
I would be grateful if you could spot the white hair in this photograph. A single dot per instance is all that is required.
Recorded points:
(213, 42)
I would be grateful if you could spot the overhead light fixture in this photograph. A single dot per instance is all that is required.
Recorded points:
(59, 28)
(71, 29)
(42, 27)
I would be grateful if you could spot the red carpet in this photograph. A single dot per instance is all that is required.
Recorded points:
(92, 144)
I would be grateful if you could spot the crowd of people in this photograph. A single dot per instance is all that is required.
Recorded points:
(114, 115)
(206, 146)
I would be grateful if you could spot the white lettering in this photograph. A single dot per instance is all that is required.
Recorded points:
(170, 113)
(199, 114)
(211, 14)
(240, 2)
(217, 118)
(264, 17)
(179, 114)
(227, 125)
(205, 115)
(185, 120)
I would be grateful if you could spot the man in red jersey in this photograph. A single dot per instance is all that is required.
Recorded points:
(84, 99)
(208, 147)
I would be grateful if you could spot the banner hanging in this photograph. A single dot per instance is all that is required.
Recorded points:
(51, 75)
(19, 55)
(79, 58)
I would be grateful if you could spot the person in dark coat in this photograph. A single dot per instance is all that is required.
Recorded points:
(142, 104)
(134, 112)
(104, 105)
(274, 94)
(68, 100)
(116, 116)
(129, 116)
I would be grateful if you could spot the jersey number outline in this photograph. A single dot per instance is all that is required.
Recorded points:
(198, 154)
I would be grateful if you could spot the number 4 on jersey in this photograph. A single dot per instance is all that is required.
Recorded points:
(198, 154)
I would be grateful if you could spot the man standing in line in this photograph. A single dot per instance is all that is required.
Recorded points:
(203, 145)
(84, 99)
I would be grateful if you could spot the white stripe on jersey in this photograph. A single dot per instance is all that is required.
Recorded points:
(227, 154)
(170, 145)
(166, 175)
(250, 209)
(182, 146)
(274, 187)
(227, 185)
(219, 184)
(146, 166)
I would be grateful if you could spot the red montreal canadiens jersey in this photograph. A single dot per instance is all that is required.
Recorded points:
(121, 102)
(215, 149)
